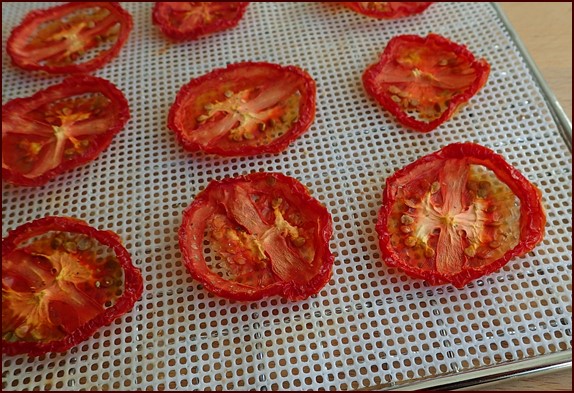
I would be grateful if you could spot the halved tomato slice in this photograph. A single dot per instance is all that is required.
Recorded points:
(244, 109)
(57, 129)
(458, 214)
(61, 281)
(257, 235)
(189, 21)
(70, 38)
(422, 81)
(382, 10)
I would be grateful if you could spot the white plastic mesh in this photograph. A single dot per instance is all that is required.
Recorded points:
(371, 325)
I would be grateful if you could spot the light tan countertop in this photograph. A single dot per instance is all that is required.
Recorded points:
(546, 31)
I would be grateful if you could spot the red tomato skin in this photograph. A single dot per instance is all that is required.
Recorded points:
(481, 66)
(401, 12)
(532, 214)
(307, 110)
(46, 14)
(236, 291)
(81, 84)
(221, 24)
(133, 286)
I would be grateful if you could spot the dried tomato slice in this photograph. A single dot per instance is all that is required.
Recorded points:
(189, 21)
(61, 281)
(244, 109)
(458, 214)
(392, 10)
(70, 38)
(59, 128)
(255, 236)
(422, 81)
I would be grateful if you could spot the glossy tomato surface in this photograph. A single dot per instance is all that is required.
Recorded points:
(422, 81)
(184, 21)
(391, 10)
(458, 214)
(244, 109)
(59, 286)
(255, 236)
(71, 38)
(59, 128)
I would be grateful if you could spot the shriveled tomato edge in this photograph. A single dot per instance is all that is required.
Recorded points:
(80, 84)
(89, 66)
(385, 15)
(178, 35)
(532, 215)
(384, 99)
(133, 283)
(307, 108)
(197, 267)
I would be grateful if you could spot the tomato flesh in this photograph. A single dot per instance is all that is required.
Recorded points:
(55, 285)
(423, 80)
(59, 128)
(458, 214)
(190, 20)
(74, 37)
(454, 220)
(246, 109)
(61, 281)
(264, 235)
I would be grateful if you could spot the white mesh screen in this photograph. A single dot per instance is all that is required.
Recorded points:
(371, 325)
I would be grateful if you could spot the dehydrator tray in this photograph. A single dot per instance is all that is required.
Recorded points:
(371, 327)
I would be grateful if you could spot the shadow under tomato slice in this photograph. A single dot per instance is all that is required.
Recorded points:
(258, 235)
(70, 38)
(190, 20)
(244, 109)
(458, 214)
(387, 10)
(59, 128)
(61, 281)
(422, 81)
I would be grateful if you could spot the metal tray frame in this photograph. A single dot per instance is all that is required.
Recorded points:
(527, 367)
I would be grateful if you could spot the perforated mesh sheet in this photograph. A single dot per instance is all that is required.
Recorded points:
(370, 325)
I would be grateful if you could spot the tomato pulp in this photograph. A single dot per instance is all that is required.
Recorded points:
(257, 235)
(458, 214)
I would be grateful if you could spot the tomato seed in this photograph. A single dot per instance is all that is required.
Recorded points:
(435, 187)
(84, 244)
(429, 252)
(299, 241)
(70, 246)
(410, 241)
(406, 229)
(396, 98)
(407, 220)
